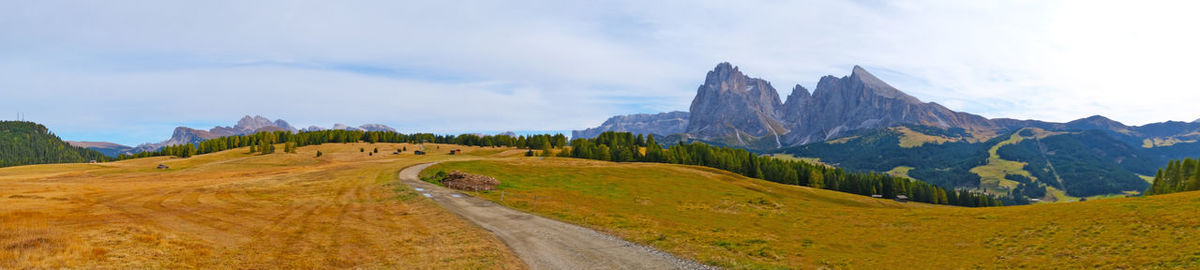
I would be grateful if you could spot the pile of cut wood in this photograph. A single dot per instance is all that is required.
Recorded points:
(471, 182)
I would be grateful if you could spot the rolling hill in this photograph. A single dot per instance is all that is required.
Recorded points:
(107, 148)
(1070, 164)
(24, 143)
(727, 220)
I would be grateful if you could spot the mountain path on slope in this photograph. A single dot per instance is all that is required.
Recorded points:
(544, 243)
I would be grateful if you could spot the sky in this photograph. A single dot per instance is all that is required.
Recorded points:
(131, 71)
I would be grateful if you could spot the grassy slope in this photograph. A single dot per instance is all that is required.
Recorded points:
(910, 138)
(236, 210)
(728, 220)
(992, 174)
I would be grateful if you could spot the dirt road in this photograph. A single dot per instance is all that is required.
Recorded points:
(544, 243)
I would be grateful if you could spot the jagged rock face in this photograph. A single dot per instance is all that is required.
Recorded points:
(181, 135)
(793, 108)
(312, 128)
(862, 101)
(661, 124)
(730, 105)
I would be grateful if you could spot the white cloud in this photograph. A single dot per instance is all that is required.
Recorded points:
(86, 67)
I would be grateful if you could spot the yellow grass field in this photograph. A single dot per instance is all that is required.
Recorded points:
(346, 210)
(236, 210)
(735, 222)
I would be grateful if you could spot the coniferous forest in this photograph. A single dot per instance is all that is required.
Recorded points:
(624, 147)
(24, 143)
(1178, 176)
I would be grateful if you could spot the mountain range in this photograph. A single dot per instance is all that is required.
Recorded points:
(246, 125)
(861, 122)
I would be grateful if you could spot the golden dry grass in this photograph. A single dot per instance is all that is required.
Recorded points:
(728, 220)
(910, 138)
(236, 210)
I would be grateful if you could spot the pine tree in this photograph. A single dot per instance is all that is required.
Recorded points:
(318, 153)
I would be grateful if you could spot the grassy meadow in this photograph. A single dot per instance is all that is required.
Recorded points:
(727, 220)
(231, 209)
(345, 209)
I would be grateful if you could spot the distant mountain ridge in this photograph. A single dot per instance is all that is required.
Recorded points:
(661, 124)
(862, 123)
(731, 108)
(246, 125)
(107, 148)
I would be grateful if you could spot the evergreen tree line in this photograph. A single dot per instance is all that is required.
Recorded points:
(625, 147)
(25, 143)
(264, 142)
(1178, 176)
(620, 147)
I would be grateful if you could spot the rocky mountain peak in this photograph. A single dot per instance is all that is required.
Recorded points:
(868, 81)
(730, 105)
(253, 123)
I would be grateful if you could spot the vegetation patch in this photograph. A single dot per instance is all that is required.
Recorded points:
(728, 220)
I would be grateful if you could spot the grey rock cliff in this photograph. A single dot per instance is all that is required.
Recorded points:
(730, 105)
(661, 124)
(861, 101)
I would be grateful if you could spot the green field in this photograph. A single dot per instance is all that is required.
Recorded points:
(731, 221)
(992, 174)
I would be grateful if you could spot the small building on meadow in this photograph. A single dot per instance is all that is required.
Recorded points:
(877, 196)
(418, 152)
(455, 151)
(92, 161)
(901, 198)
(163, 167)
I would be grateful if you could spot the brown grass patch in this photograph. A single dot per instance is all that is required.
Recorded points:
(236, 210)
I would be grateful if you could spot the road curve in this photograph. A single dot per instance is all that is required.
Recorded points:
(544, 243)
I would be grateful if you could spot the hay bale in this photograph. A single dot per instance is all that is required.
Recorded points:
(472, 182)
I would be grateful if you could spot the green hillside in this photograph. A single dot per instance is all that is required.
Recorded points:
(1058, 166)
(732, 221)
(23, 143)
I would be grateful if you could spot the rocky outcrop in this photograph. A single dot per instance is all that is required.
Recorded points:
(661, 124)
(735, 108)
(862, 101)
